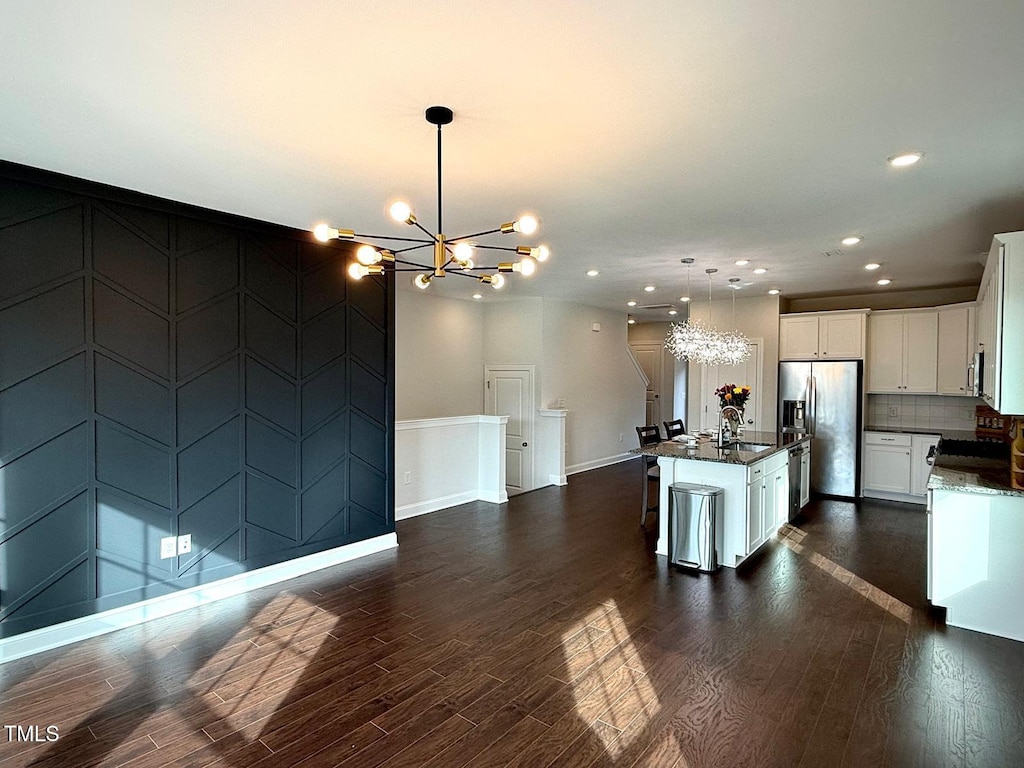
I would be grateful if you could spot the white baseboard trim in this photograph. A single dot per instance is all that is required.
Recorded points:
(868, 493)
(558, 480)
(494, 497)
(607, 461)
(433, 505)
(47, 638)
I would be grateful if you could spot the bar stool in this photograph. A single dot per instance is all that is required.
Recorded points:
(674, 428)
(649, 435)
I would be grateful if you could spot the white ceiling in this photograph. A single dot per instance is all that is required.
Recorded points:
(639, 133)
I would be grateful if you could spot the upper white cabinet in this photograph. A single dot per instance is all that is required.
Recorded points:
(1001, 324)
(903, 352)
(822, 335)
(956, 350)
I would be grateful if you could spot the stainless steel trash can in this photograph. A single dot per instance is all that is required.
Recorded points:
(693, 524)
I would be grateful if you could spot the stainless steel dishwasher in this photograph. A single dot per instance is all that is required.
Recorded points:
(693, 526)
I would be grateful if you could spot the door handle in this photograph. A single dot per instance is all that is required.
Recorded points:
(524, 445)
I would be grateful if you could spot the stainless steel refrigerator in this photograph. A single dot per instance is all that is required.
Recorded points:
(824, 400)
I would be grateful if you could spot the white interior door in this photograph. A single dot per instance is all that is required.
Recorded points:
(746, 373)
(650, 357)
(509, 392)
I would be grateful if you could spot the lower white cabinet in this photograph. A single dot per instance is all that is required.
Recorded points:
(895, 465)
(767, 498)
(805, 476)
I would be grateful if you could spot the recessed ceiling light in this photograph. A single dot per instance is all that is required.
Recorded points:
(684, 298)
(760, 271)
(630, 303)
(742, 262)
(649, 288)
(673, 312)
(773, 292)
(477, 296)
(630, 319)
(872, 266)
(884, 281)
(592, 273)
(852, 240)
(904, 159)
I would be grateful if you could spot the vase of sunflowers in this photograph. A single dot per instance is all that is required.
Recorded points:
(737, 396)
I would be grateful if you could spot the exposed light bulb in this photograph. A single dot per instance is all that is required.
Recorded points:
(525, 266)
(367, 254)
(358, 271)
(498, 281)
(527, 225)
(541, 253)
(463, 252)
(421, 281)
(323, 233)
(400, 211)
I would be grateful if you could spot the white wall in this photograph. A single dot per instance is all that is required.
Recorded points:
(757, 318)
(438, 356)
(673, 372)
(593, 372)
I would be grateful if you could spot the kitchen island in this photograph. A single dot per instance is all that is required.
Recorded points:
(975, 537)
(754, 475)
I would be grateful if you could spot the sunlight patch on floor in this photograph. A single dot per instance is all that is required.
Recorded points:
(791, 537)
(286, 641)
(608, 681)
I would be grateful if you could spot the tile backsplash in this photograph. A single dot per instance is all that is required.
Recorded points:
(938, 411)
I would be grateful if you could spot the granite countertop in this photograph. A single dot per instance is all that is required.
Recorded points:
(706, 449)
(949, 434)
(972, 475)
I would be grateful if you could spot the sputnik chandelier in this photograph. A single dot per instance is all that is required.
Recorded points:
(701, 343)
(451, 255)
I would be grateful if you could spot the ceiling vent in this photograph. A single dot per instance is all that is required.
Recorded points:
(658, 306)
(836, 252)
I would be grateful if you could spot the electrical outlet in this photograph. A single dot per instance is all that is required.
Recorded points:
(561, 402)
(185, 544)
(407, 478)
(894, 410)
(168, 547)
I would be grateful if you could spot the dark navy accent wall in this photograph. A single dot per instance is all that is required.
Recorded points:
(165, 370)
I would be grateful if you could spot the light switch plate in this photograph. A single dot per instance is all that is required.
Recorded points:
(168, 547)
(185, 544)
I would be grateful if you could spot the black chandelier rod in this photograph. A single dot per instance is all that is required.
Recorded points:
(439, 206)
(475, 234)
(402, 239)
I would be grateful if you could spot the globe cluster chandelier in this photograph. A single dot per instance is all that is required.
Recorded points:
(698, 342)
(451, 255)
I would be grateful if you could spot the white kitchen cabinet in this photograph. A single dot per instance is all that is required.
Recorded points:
(805, 476)
(903, 352)
(886, 464)
(755, 514)
(1001, 324)
(822, 335)
(956, 343)
(920, 446)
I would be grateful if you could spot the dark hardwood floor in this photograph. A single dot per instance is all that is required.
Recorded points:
(546, 632)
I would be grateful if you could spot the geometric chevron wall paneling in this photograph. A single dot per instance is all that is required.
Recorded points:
(168, 370)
